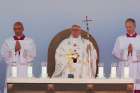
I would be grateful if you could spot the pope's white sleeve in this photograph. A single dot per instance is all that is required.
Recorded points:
(6, 53)
(120, 54)
(30, 51)
(60, 59)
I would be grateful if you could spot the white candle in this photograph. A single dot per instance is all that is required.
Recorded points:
(101, 72)
(44, 72)
(126, 72)
(29, 72)
(113, 72)
(14, 71)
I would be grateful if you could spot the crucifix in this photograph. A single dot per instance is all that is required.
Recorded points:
(86, 21)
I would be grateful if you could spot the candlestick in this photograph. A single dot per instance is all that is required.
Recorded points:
(113, 70)
(126, 72)
(44, 72)
(101, 71)
(14, 71)
(29, 71)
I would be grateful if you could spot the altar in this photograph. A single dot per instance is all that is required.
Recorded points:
(43, 85)
(71, 84)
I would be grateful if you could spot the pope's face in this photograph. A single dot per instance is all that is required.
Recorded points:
(130, 27)
(76, 32)
(18, 30)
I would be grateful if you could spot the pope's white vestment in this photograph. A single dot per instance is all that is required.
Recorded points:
(26, 55)
(75, 58)
(120, 51)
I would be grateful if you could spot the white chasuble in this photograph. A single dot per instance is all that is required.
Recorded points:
(75, 58)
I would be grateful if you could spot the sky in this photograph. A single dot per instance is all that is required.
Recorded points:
(43, 19)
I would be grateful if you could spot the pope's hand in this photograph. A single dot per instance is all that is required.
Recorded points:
(17, 46)
(130, 49)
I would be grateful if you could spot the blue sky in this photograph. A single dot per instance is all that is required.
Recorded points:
(45, 18)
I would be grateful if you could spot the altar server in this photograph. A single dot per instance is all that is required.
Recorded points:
(127, 51)
(75, 57)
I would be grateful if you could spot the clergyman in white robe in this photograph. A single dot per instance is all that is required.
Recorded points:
(120, 51)
(75, 58)
(27, 54)
(22, 59)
